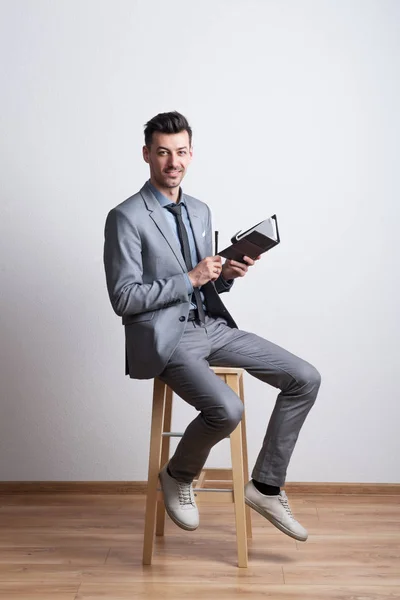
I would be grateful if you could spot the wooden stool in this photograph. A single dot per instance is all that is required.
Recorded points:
(159, 455)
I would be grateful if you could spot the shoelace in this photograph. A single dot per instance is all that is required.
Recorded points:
(285, 503)
(185, 492)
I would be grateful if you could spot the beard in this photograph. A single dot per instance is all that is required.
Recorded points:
(171, 182)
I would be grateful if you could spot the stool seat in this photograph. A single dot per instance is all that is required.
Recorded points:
(212, 485)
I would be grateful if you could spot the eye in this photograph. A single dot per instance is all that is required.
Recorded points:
(182, 152)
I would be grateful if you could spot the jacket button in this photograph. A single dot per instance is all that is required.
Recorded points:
(182, 319)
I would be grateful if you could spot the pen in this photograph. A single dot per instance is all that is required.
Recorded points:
(216, 243)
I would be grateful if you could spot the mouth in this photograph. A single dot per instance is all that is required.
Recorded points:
(173, 173)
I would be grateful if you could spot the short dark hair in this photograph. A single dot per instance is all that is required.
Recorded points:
(169, 122)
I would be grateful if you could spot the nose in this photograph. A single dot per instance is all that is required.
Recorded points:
(173, 162)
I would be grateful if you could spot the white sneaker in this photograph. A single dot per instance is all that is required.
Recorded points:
(276, 509)
(179, 501)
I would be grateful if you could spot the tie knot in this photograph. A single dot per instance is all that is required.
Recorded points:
(176, 209)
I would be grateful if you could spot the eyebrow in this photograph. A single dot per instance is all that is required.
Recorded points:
(164, 148)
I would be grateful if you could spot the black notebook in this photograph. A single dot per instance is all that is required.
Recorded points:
(254, 241)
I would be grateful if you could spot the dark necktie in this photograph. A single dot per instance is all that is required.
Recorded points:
(176, 210)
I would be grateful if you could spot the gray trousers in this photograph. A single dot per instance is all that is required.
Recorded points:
(189, 375)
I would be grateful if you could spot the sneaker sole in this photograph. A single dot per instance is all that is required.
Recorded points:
(271, 519)
(174, 519)
(179, 523)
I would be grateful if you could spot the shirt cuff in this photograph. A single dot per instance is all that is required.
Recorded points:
(188, 284)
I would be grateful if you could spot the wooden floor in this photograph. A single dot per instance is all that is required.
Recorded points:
(88, 547)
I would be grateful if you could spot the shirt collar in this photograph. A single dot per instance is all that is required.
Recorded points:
(163, 200)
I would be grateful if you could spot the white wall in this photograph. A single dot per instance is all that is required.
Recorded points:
(295, 110)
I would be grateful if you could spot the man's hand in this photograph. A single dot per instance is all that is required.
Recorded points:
(232, 268)
(208, 269)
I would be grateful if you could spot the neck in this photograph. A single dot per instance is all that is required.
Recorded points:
(171, 193)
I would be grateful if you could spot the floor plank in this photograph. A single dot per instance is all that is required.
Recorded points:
(206, 590)
(14, 590)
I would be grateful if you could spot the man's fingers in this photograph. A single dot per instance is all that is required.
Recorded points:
(217, 260)
(238, 265)
(240, 269)
(249, 260)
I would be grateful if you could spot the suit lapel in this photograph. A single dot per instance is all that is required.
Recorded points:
(197, 228)
(156, 212)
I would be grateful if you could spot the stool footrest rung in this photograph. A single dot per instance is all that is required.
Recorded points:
(212, 490)
(178, 434)
(201, 490)
(202, 496)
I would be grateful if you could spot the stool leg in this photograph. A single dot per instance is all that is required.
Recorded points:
(249, 528)
(154, 468)
(160, 519)
(238, 482)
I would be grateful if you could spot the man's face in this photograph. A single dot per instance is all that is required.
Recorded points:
(168, 156)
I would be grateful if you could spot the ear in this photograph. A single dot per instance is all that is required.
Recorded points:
(191, 153)
(145, 151)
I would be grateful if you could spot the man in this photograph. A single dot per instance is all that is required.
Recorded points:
(164, 282)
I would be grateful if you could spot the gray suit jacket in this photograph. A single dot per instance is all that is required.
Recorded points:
(146, 282)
